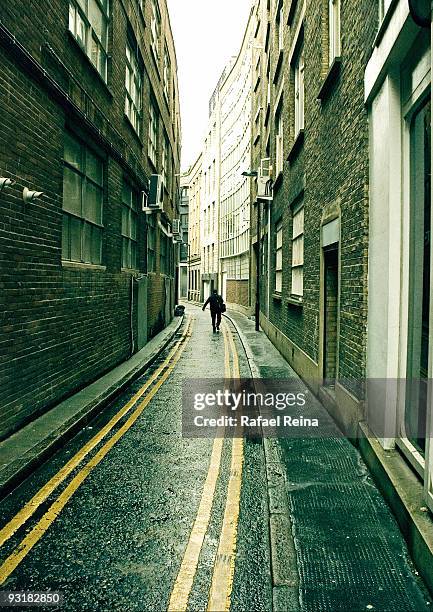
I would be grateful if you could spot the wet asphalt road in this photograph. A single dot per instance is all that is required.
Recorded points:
(119, 541)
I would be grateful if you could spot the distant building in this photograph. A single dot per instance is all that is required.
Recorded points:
(192, 181)
(184, 242)
(88, 112)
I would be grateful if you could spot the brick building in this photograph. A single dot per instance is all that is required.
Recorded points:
(191, 181)
(313, 292)
(88, 112)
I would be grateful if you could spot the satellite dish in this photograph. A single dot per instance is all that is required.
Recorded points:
(421, 12)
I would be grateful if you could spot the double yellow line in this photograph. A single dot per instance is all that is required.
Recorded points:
(157, 380)
(223, 571)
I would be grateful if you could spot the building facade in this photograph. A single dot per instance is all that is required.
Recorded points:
(89, 111)
(235, 141)
(191, 181)
(400, 310)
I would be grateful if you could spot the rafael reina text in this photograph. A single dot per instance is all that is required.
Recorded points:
(244, 400)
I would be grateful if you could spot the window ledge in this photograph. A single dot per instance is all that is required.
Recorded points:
(277, 296)
(130, 270)
(79, 265)
(91, 65)
(294, 300)
(296, 147)
(329, 80)
(278, 66)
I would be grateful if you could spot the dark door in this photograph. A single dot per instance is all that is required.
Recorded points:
(330, 316)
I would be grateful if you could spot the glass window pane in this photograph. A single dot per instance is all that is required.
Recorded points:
(65, 237)
(134, 255)
(72, 191)
(72, 18)
(96, 19)
(92, 206)
(87, 243)
(72, 151)
(279, 260)
(96, 245)
(75, 228)
(93, 167)
(133, 226)
(125, 221)
(81, 31)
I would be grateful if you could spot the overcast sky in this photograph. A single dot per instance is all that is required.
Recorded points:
(206, 33)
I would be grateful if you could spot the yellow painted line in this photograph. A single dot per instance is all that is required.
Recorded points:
(28, 510)
(188, 568)
(56, 507)
(224, 567)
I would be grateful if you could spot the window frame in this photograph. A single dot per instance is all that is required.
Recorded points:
(279, 140)
(155, 30)
(299, 90)
(135, 70)
(334, 30)
(77, 10)
(152, 150)
(69, 217)
(278, 257)
(130, 239)
(297, 237)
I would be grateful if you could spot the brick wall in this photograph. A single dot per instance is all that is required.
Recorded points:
(328, 171)
(63, 325)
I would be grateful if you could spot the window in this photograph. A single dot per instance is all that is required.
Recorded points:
(163, 254)
(334, 30)
(279, 143)
(299, 91)
(133, 85)
(279, 257)
(82, 203)
(129, 227)
(151, 243)
(88, 22)
(155, 29)
(166, 163)
(153, 133)
(298, 252)
(167, 74)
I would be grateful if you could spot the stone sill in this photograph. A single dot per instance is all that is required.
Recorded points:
(296, 147)
(78, 265)
(329, 80)
(294, 301)
(277, 297)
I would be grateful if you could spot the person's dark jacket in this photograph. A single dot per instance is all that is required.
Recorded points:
(215, 301)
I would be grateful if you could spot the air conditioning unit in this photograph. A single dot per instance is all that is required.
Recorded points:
(155, 200)
(176, 227)
(264, 180)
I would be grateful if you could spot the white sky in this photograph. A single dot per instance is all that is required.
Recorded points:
(206, 34)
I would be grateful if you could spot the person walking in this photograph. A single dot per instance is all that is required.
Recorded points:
(217, 306)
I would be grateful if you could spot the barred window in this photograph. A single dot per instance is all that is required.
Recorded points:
(133, 86)
(279, 257)
(88, 22)
(82, 203)
(129, 227)
(298, 252)
(153, 133)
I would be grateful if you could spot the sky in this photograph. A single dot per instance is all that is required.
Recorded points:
(207, 33)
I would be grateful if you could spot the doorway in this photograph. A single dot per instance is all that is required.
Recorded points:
(330, 337)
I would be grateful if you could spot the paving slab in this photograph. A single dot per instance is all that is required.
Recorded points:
(350, 553)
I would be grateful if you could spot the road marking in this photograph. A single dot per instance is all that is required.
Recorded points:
(30, 508)
(188, 568)
(56, 507)
(224, 567)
